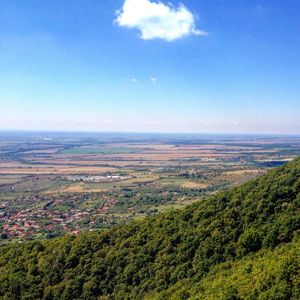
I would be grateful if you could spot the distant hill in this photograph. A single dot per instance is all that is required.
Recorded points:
(240, 244)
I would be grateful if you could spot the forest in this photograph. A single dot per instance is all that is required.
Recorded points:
(243, 243)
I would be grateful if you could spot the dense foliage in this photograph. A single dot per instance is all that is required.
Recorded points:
(268, 274)
(240, 244)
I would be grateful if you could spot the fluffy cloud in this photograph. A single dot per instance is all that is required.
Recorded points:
(156, 20)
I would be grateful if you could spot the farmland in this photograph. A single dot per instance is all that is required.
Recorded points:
(57, 183)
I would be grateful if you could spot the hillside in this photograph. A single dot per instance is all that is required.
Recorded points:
(240, 244)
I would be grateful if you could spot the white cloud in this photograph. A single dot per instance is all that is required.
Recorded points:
(153, 79)
(156, 20)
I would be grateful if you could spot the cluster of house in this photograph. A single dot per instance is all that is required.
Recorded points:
(30, 222)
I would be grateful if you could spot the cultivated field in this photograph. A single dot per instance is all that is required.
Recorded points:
(56, 183)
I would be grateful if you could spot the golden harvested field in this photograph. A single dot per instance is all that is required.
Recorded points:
(229, 157)
(55, 170)
(74, 188)
(236, 158)
(194, 185)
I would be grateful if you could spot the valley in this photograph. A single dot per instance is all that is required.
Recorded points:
(57, 183)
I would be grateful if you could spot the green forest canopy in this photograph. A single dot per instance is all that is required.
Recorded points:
(241, 244)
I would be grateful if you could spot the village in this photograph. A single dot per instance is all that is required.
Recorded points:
(32, 223)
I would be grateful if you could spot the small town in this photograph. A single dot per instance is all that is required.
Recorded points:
(47, 220)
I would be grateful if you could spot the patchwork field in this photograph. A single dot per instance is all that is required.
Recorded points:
(54, 183)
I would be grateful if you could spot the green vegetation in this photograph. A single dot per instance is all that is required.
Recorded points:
(240, 244)
(110, 180)
(268, 274)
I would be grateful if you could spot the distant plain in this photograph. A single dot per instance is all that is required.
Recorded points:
(53, 183)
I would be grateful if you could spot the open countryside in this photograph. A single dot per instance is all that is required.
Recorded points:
(53, 184)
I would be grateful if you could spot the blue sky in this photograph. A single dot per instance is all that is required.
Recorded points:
(200, 66)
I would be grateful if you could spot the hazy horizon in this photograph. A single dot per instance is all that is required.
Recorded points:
(146, 133)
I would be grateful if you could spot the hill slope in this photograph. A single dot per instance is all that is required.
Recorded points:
(267, 274)
(233, 240)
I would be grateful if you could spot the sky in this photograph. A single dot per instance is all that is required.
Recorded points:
(196, 66)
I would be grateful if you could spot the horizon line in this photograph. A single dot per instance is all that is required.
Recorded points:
(143, 132)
